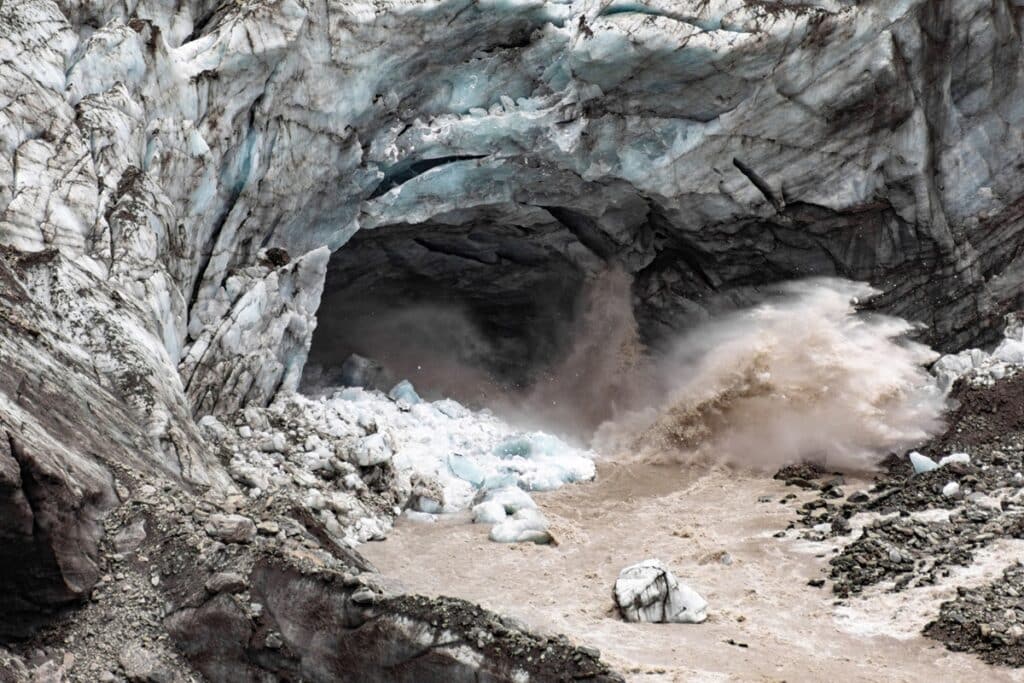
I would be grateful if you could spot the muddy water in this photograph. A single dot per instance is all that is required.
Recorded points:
(689, 519)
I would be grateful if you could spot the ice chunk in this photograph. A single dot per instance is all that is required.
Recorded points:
(466, 469)
(500, 481)
(420, 517)
(922, 463)
(1010, 351)
(955, 457)
(372, 450)
(426, 504)
(544, 462)
(452, 409)
(526, 526)
(512, 448)
(951, 489)
(404, 391)
(649, 592)
(352, 394)
(512, 498)
(489, 512)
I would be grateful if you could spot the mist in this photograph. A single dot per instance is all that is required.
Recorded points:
(803, 376)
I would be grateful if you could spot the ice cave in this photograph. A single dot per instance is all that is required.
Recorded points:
(511, 340)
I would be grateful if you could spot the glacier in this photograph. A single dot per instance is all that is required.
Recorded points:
(193, 195)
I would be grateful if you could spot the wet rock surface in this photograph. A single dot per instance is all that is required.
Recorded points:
(909, 529)
(987, 620)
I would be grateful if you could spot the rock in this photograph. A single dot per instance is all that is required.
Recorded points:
(649, 592)
(130, 537)
(268, 528)
(220, 640)
(141, 665)
(231, 528)
(226, 582)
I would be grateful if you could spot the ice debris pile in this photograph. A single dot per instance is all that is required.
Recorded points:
(360, 457)
(650, 592)
(983, 368)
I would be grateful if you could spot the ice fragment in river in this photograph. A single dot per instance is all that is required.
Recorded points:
(922, 463)
(649, 592)
(489, 512)
(951, 489)
(526, 526)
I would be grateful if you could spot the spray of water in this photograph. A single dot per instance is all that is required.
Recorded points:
(802, 377)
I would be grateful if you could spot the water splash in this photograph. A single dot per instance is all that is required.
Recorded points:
(804, 376)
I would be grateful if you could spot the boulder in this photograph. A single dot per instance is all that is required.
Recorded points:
(231, 528)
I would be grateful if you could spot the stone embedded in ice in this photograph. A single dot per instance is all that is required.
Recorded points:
(955, 457)
(922, 463)
(404, 392)
(489, 512)
(649, 592)
(372, 450)
(951, 489)
(526, 526)
(466, 469)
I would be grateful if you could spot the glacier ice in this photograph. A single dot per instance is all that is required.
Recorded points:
(650, 592)
(922, 463)
(489, 512)
(528, 525)
(473, 459)
(511, 498)
(404, 392)
(466, 469)
(962, 458)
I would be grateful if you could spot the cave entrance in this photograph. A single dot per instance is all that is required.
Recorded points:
(476, 310)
